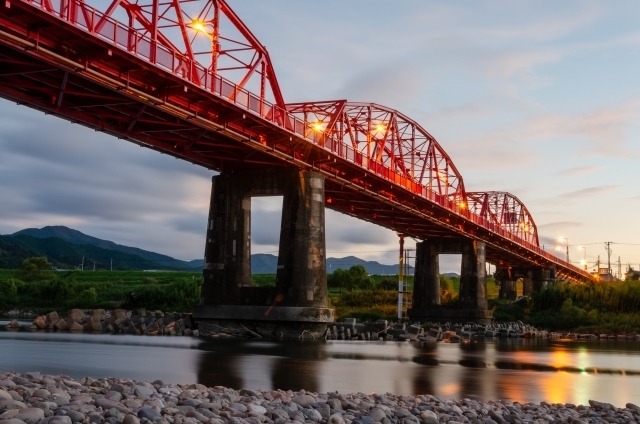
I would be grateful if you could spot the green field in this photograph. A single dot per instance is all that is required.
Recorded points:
(103, 289)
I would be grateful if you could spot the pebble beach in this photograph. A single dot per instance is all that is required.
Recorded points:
(35, 398)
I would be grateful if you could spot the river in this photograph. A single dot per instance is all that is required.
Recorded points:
(524, 370)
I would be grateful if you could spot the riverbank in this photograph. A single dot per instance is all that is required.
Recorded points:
(32, 398)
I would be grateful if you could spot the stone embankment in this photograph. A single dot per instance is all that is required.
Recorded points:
(349, 329)
(33, 398)
(120, 321)
(180, 324)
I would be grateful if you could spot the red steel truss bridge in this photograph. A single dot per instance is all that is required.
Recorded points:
(189, 79)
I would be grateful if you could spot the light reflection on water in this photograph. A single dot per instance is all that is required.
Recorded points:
(516, 369)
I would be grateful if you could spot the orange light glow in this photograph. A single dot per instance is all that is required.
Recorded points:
(198, 25)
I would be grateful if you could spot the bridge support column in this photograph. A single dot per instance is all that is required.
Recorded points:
(508, 290)
(472, 304)
(473, 278)
(426, 281)
(527, 284)
(543, 277)
(298, 302)
(507, 284)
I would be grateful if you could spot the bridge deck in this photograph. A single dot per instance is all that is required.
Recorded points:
(62, 69)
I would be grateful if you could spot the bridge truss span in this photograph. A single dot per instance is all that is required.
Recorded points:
(189, 79)
(505, 210)
(380, 138)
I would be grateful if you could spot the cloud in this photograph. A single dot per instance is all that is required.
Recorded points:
(578, 170)
(391, 85)
(561, 224)
(588, 192)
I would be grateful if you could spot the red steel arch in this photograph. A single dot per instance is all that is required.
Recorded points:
(188, 78)
(505, 210)
(205, 43)
(383, 137)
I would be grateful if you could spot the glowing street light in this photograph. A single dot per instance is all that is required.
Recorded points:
(317, 126)
(198, 25)
(380, 128)
(584, 259)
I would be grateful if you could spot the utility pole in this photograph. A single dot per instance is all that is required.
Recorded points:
(111, 264)
(619, 269)
(82, 265)
(401, 276)
(94, 266)
(608, 248)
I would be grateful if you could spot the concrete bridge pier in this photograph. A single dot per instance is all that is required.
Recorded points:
(472, 299)
(298, 302)
(507, 282)
(543, 277)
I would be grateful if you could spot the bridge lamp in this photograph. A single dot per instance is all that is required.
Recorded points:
(379, 128)
(198, 25)
(584, 258)
(317, 126)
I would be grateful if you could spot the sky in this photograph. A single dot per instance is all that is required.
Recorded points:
(538, 98)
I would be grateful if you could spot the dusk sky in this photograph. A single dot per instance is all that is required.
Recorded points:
(541, 99)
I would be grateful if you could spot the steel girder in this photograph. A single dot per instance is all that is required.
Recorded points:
(55, 63)
(197, 40)
(505, 210)
(383, 136)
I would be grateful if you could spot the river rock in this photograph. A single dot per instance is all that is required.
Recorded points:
(76, 327)
(61, 324)
(93, 324)
(130, 419)
(106, 404)
(76, 416)
(335, 419)
(101, 314)
(75, 315)
(30, 414)
(303, 400)
(148, 413)
(40, 322)
(11, 404)
(117, 315)
(12, 421)
(42, 393)
(57, 419)
(13, 324)
(4, 395)
(51, 318)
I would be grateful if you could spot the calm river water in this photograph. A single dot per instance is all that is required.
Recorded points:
(515, 369)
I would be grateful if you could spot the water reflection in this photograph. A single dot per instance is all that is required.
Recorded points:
(515, 369)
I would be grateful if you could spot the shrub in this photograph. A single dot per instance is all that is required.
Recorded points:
(34, 269)
(8, 294)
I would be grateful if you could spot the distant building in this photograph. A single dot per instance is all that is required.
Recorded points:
(604, 274)
(632, 274)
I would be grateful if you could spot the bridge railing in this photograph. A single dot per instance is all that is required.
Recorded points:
(132, 41)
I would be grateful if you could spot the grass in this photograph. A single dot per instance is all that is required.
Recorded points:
(152, 290)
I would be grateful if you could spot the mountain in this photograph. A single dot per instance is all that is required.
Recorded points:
(67, 255)
(12, 254)
(263, 263)
(76, 237)
(372, 267)
(65, 248)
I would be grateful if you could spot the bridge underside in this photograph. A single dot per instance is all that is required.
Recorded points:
(61, 70)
